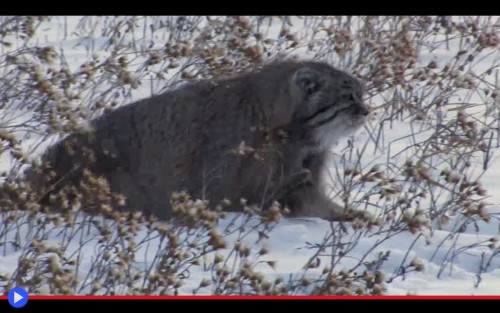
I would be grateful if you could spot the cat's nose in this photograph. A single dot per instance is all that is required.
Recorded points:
(362, 109)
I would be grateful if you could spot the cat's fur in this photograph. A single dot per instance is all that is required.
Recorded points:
(262, 136)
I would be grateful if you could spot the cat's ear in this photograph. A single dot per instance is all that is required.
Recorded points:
(307, 80)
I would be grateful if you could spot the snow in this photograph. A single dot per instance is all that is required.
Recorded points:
(446, 272)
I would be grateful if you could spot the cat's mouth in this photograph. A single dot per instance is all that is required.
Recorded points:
(354, 115)
(343, 122)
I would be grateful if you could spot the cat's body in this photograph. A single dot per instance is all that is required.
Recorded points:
(262, 136)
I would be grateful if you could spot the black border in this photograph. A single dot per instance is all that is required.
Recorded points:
(359, 7)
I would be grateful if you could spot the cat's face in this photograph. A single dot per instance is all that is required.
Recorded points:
(331, 103)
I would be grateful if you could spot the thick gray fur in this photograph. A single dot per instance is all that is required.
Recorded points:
(290, 113)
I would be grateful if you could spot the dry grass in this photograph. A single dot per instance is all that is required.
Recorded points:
(451, 104)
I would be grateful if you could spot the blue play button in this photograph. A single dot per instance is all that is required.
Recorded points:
(18, 297)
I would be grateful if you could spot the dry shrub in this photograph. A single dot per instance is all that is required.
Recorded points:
(433, 183)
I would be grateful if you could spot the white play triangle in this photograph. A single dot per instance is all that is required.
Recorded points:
(17, 297)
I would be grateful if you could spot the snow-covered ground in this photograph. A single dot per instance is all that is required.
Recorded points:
(445, 273)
